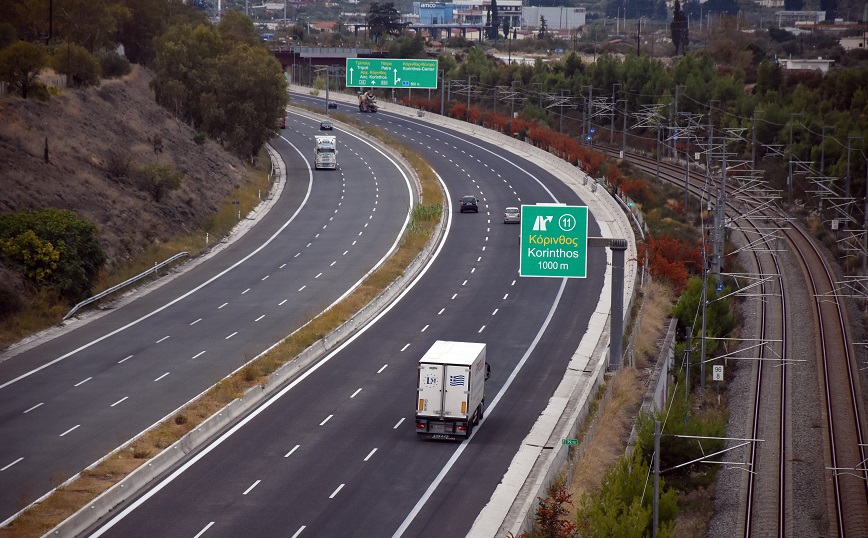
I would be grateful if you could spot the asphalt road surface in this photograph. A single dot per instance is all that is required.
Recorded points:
(69, 401)
(335, 453)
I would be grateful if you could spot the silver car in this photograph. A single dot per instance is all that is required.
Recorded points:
(511, 214)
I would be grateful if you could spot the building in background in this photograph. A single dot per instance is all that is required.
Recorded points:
(557, 18)
(433, 12)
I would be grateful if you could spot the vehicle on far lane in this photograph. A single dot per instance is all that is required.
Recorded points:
(511, 214)
(332, 104)
(468, 203)
(325, 125)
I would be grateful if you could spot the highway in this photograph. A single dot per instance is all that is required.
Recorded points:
(335, 452)
(70, 400)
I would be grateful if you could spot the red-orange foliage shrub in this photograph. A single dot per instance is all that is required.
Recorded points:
(458, 111)
(671, 259)
(431, 105)
(637, 189)
(551, 516)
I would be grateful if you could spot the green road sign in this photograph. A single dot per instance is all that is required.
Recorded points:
(554, 241)
(570, 441)
(388, 73)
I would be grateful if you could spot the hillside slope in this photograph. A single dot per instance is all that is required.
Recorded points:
(85, 129)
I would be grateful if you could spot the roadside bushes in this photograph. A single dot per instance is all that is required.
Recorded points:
(52, 249)
(80, 66)
(112, 64)
(158, 179)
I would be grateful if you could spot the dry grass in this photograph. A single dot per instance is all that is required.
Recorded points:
(628, 388)
(45, 310)
(655, 316)
(607, 443)
(64, 502)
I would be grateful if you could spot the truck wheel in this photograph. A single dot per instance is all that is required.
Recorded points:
(479, 412)
(470, 427)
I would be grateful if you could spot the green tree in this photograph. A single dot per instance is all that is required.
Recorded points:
(623, 505)
(158, 179)
(251, 94)
(769, 77)
(20, 65)
(90, 23)
(236, 27)
(505, 27)
(35, 258)
(680, 30)
(80, 66)
(407, 46)
(148, 20)
(79, 256)
(719, 320)
(8, 35)
(494, 20)
(543, 27)
(384, 19)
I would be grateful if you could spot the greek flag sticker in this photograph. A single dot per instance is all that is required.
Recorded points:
(456, 381)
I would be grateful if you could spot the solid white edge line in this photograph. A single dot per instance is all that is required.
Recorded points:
(449, 464)
(268, 403)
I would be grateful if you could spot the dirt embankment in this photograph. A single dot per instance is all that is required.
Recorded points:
(87, 131)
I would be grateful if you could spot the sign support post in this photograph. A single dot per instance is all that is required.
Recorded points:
(554, 243)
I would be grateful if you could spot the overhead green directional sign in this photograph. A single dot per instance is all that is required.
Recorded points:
(389, 73)
(554, 241)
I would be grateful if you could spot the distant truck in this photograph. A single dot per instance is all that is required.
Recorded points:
(326, 152)
(368, 102)
(450, 389)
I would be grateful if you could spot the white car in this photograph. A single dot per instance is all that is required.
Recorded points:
(511, 214)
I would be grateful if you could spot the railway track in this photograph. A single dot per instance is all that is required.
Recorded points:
(774, 498)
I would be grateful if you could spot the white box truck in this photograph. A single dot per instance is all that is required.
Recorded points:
(326, 152)
(450, 389)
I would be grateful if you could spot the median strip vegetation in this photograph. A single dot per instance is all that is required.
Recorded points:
(66, 500)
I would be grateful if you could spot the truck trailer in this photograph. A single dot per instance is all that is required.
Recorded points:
(326, 152)
(450, 390)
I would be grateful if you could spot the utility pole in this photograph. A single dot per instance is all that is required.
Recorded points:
(512, 98)
(753, 140)
(790, 162)
(704, 303)
(612, 124)
(590, 110)
(687, 338)
(442, 90)
(823, 148)
(847, 175)
(675, 119)
(624, 132)
(656, 503)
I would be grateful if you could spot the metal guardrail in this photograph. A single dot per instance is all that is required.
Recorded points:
(115, 288)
